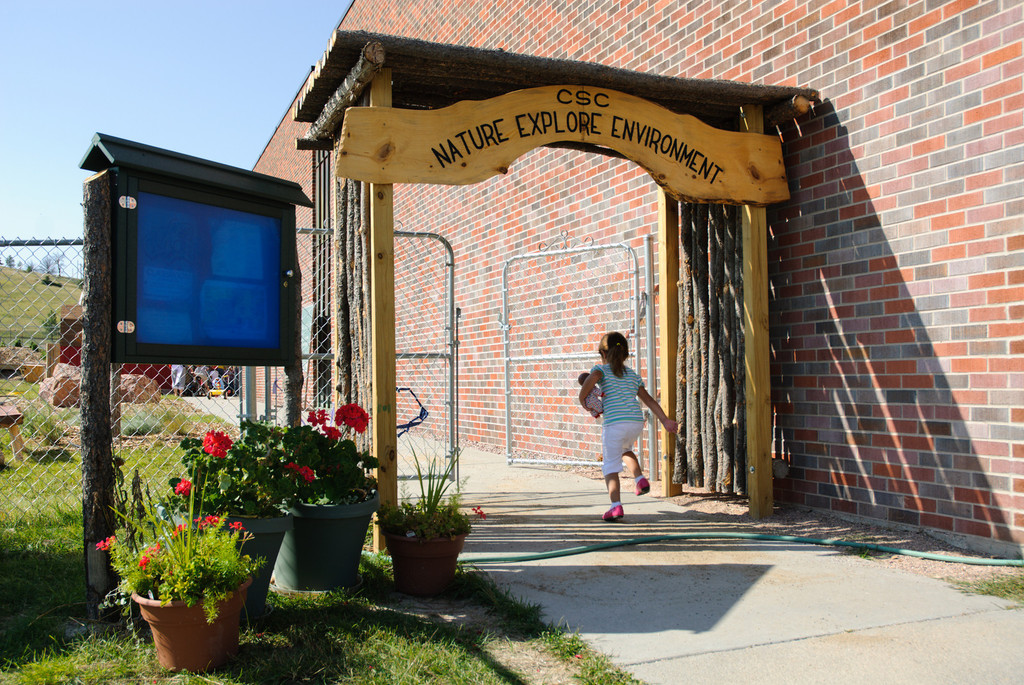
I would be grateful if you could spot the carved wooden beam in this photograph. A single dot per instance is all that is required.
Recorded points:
(321, 132)
(474, 140)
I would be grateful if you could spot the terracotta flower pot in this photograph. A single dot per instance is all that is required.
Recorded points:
(185, 641)
(424, 567)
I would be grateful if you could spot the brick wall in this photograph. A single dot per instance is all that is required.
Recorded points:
(897, 268)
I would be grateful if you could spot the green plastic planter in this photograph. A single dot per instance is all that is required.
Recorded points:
(323, 549)
(268, 535)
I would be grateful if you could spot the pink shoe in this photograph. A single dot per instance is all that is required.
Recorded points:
(613, 514)
(643, 486)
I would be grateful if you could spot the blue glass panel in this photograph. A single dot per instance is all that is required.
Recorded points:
(207, 275)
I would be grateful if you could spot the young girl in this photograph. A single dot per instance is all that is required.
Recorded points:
(623, 418)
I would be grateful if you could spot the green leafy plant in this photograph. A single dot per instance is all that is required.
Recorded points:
(330, 468)
(199, 560)
(51, 326)
(435, 514)
(245, 477)
(271, 467)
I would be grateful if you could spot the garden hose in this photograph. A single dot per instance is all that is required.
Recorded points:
(740, 536)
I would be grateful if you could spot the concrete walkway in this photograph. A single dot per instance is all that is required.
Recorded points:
(714, 611)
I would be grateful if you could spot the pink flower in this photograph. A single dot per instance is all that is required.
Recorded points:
(105, 544)
(183, 488)
(217, 444)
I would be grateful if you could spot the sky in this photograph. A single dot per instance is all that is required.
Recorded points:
(210, 79)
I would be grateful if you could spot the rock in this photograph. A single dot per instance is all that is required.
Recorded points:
(61, 389)
(139, 389)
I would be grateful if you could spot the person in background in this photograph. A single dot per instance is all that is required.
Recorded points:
(202, 376)
(178, 379)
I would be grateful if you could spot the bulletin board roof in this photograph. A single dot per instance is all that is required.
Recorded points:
(429, 75)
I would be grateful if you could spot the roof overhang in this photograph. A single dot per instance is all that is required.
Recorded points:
(429, 75)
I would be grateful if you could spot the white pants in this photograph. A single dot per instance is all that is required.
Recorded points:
(617, 439)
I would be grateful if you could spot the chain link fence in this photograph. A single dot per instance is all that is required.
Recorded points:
(556, 304)
(40, 288)
(40, 345)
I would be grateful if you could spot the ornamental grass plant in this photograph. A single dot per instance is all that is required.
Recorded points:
(436, 514)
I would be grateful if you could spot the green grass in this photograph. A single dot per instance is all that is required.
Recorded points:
(1010, 587)
(26, 302)
(50, 477)
(33, 613)
(331, 637)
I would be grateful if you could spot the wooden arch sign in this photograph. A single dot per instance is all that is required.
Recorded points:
(472, 141)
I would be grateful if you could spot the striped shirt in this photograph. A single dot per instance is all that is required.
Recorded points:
(620, 403)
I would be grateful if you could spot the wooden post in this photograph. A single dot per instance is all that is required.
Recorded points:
(755, 330)
(97, 456)
(668, 315)
(382, 308)
(52, 358)
(338, 225)
(293, 378)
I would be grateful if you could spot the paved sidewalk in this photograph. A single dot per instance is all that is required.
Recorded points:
(713, 611)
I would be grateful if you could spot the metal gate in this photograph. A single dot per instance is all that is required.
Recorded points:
(426, 350)
(556, 304)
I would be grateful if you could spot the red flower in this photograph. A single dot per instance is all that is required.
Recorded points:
(318, 417)
(208, 521)
(143, 562)
(331, 432)
(236, 525)
(183, 488)
(105, 544)
(480, 512)
(353, 416)
(304, 471)
(217, 444)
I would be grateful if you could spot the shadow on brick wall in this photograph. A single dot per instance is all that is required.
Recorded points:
(865, 408)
